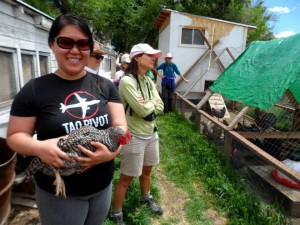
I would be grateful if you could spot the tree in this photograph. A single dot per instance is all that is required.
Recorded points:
(124, 23)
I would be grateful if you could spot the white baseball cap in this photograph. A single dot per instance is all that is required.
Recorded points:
(144, 48)
(169, 55)
(125, 58)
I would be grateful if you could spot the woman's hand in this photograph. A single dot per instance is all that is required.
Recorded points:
(51, 154)
(141, 100)
(161, 76)
(101, 155)
(185, 80)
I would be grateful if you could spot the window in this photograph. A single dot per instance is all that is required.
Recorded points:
(191, 37)
(10, 80)
(44, 64)
(106, 64)
(28, 67)
(8, 83)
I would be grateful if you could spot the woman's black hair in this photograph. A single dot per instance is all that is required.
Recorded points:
(134, 66)
(70, 19)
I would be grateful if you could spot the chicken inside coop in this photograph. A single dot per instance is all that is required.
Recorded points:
(218, 107)
(211, 131)
(219, 113)
(264, 120)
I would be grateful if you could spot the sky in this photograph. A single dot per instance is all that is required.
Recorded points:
(288, 14)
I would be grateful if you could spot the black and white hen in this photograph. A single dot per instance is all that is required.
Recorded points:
(112, 138)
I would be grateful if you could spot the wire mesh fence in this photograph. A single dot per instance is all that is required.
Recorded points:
(275, 132)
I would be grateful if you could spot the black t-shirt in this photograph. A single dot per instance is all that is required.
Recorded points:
(62, 106)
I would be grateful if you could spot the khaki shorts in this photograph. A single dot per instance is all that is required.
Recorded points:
(138, 153)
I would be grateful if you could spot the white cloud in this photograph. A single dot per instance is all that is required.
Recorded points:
(285, 34)
(279, 9)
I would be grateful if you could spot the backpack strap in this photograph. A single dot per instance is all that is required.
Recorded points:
(130, 110)
(127, 105)
(149, 87)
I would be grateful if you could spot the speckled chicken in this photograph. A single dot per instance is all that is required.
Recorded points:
(112, 138)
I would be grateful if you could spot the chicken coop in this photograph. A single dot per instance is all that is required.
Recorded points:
(253, 107)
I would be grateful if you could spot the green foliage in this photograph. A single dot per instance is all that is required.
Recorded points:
(124, 23)
(48, 7)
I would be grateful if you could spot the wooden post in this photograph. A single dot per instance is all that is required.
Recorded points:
(182, 107)
(228, 145)
(197, 118)
(176, 100)
(296, 120)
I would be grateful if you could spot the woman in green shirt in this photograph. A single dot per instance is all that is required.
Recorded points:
(141, 102)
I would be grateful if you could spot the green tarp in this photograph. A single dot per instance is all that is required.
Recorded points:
(263, 73)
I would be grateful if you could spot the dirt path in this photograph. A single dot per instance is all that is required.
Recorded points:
(173, 199)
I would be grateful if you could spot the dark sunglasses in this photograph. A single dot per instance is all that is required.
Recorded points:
(168, 58)
(68, 43)
(97, 56)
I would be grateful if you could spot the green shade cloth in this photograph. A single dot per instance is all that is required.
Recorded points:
(261, 75)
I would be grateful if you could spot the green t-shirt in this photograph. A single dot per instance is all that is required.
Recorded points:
(150, 74)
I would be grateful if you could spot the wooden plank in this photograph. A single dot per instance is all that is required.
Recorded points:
(229, 52)
(291, 98)
(204, 99)
(272, 134)
(285, 107)
(23, 195)
(16, 200)
(288, 197)
(211, 46)
(238, 117)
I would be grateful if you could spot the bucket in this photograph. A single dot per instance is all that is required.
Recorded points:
(7, 175)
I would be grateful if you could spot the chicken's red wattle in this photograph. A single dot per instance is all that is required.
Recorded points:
(123, 140)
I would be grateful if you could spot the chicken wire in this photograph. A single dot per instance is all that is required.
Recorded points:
(279, 119)
(278, 124)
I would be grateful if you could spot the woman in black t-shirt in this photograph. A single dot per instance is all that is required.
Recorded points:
(53, 106)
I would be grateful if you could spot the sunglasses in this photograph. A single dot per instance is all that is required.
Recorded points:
(68, 43)
(168, 58)
(97, 56)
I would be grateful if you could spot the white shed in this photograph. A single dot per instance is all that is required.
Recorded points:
(202, 47)
(24, 51)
